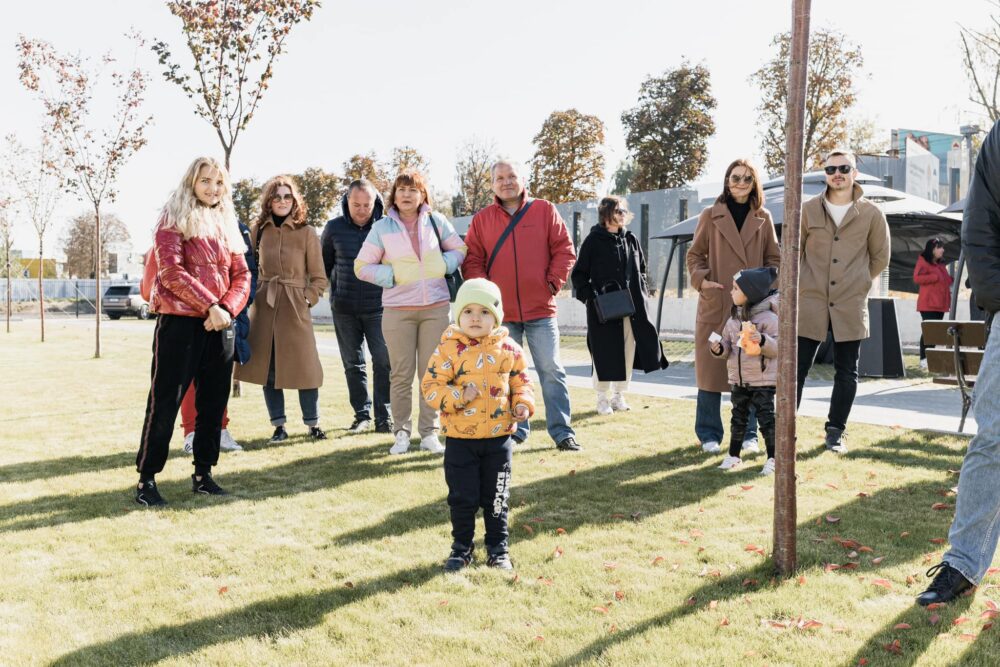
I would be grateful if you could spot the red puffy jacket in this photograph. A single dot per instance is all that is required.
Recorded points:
(935, 286)
(537, 253)
(193, 275)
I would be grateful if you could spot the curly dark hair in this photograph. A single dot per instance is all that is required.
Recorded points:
(299, 208)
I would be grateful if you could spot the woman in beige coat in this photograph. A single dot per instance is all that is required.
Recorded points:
(733, 234)
(291, 281)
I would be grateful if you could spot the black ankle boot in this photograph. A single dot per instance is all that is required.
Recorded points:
(948, 584)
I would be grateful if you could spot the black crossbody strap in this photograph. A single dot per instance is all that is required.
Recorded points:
(503, 237)
(436, 232)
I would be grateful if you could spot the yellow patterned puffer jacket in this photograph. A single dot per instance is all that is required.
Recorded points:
(496, 365)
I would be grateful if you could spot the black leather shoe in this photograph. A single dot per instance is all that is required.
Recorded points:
(948, 584)
(383, 427)
(835, 440)
(568, 445)
(280, 434)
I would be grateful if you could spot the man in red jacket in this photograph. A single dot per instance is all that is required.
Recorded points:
(530, 264)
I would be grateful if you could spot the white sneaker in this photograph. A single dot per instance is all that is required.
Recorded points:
(603, 406)
(711, 446)
(923, 364)
(618, 403)
(730, 462)
(431, 444)
(768, 468)
(226, 442)
(751, 446)
(402, 443)
(189, 443)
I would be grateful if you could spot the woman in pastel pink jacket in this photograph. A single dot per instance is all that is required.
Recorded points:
(408, 253)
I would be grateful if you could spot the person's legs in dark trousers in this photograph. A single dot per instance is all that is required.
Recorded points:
(372, 323)
(762, 400)
(462, 459)
(741, 409)
(350, 332)
(494, 490)
(924, 316)
(807, 355)
(274, 399)
(708, 417)
(177, 345)
(845, 382)
(309, 404)
(212, 383)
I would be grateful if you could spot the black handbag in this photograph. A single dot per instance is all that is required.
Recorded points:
(454, 279)
(615, 304)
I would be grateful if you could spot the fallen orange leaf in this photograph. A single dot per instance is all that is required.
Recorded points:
(809, 625)
(992, 570)
(349, 584)
(538, 638)
(443, 603)
(960, 620)
(905, 533)
(990, 604)
(613, 629)
(545, 580)
(713, 604)
(935, 605)
(746, 487)
(560, 531)
(832, 519)
(910, 580)
(724, 621)
(878, 560)
(940, 506)
(937, 540)
(223, 590)
(901, 626)
(849, 566)
(802, 580)
(894, 647)
(601, 610)
(619, 595)
(657, 560)
(528, 529)
(832, 486)
(934, 619)
(990, 613)
(608, 565)
(966, 637)
(882, 582)
(866, 550)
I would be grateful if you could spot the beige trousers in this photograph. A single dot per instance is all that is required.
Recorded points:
(620, 387)
(411, 336)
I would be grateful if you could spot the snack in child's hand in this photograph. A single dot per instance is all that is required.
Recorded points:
(749, 346)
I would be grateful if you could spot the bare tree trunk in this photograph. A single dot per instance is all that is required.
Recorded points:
(97, 277)
(9, 293)
(784, 483)
(41, 288)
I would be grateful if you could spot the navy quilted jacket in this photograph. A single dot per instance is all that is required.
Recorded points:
(341, 242)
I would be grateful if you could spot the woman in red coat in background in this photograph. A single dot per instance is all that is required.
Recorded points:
(935, 287)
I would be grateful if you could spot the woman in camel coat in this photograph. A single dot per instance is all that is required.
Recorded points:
(291, 280)
(733, 234)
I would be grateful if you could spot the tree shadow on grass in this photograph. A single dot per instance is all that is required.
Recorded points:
(606, 494)
(266, 619)
(878, 513)
(294, 477)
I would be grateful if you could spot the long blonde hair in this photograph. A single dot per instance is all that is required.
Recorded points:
(185, 213)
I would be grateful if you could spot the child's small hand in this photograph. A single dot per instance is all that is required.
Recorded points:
(470, 392)
(755, 336)
(716, 348)
(521, 412)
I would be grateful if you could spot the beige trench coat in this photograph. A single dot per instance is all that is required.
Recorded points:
(837, 266)
(718, 252)
(290, 282)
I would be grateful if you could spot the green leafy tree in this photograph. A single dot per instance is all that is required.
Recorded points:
(321, 192)
(367, 166)
(80, 249)
(622, 178)
(407, 157)
(667, 131)
(246, 200)
(834, 62)
(568, 164)
(234, 45)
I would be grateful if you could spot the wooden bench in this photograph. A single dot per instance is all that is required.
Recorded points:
(954, 354)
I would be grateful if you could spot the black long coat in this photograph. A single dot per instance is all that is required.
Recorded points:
(606, 257)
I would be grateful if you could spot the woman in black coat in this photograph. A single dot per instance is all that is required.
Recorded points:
(610, 258)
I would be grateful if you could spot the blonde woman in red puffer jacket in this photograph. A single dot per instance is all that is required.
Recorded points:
(202, 282)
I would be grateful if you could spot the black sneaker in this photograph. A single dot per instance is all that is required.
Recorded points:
(280, 434)
(948, 584)
(360, 425)
(207, 486)
(568, 445)
(149, 495)
(834, 441)
(317, 433)
(500, 561)
(458, 559)
(383, 427)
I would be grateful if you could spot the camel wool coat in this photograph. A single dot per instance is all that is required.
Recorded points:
(719, 251)
(837, 266)
(291, 280)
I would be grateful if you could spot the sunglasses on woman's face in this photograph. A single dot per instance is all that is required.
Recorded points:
(281, 198)
(842, 168)
(620, 211)
(736, 180)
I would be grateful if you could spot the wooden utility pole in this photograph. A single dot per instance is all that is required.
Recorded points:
(788, 284)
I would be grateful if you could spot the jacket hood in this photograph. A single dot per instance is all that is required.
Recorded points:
(498, 335)
(770, 302)
(377, 210)
(602, 232)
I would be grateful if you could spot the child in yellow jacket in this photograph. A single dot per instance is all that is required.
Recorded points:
(476, 378)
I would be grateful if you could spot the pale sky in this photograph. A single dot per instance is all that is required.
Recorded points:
(375, 74)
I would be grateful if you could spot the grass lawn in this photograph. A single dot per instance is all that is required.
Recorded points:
(636, 551)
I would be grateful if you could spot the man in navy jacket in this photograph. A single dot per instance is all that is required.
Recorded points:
(357, 306)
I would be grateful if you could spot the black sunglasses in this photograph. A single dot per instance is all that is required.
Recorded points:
(734, 179)
(842, 168)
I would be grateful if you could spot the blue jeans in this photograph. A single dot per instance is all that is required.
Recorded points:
(543, 343)
(352, 330)
(274, 399)
(974, 531)
(708, 418)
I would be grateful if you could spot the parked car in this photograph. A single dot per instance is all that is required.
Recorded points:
(125, 300)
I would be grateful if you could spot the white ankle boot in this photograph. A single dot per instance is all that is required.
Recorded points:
(603, 405)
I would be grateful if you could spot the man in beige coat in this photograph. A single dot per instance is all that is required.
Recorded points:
(844, 246)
